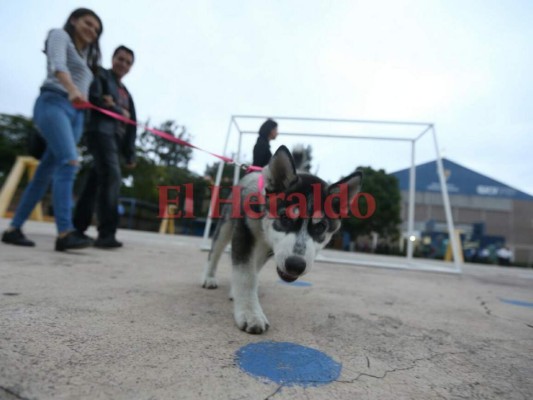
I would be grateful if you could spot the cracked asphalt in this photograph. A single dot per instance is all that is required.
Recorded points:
(135, 324)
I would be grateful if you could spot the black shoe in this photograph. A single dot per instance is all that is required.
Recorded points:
(107, 242)
(17, 238)
(84, 236)
(72, 241)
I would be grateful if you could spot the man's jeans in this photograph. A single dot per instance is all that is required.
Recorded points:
(102, 186)
(61, 126)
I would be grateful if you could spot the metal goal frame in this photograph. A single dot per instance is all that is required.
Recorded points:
(423, 128)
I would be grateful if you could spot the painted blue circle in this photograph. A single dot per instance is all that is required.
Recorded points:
(297, 283)
(517, 302)
(288, 364)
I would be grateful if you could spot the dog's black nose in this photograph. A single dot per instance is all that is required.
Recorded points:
(295, 265)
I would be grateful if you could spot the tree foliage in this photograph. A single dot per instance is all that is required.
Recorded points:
(162, 151)
(227, 177)
(159, 162)
(164, 163)
(227, 173)
(386, 219)
(14, 133)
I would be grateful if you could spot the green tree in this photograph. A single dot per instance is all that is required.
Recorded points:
(159, 162)
(227, 173)
(386, 192)
(147, 177)
(164, 163)
(14, 133)
(227, 177)
(162, 151)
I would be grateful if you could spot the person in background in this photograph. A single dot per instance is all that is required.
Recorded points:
(72, 55)
(262, 153)
(107, 139)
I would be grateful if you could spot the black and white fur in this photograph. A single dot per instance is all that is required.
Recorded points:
(293, 243)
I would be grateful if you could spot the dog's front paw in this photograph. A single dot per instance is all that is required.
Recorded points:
(251, 321)
(210, 283)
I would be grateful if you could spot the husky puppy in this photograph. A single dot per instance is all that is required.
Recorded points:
(292, 223)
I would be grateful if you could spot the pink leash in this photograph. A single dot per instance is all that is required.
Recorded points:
(164, 135)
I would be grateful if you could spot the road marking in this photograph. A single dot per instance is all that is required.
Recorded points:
(517, 302)
(288, 364)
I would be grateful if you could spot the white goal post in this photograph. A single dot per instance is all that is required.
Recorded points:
(421, 129)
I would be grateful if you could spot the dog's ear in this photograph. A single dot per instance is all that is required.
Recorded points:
(280, 173)
(352, 183)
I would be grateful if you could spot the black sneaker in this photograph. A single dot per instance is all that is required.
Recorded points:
(17, 238)
(72, 241)
(107, 242)
(84, 236)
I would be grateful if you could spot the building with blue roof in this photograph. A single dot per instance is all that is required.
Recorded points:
(489, 213)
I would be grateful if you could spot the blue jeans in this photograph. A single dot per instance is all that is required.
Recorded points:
(61, 125)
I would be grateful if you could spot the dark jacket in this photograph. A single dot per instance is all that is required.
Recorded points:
(262, 153)
(105, 83)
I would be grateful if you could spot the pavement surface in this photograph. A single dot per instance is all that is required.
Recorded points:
(134, 323)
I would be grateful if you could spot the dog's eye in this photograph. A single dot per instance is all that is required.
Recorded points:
(285, 219)
(319, 227)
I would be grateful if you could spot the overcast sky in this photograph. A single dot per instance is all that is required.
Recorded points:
(464, 65)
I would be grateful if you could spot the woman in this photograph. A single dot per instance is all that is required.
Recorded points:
(262, 153)
(72, 53)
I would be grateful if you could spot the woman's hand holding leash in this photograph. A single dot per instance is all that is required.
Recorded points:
(75, 96)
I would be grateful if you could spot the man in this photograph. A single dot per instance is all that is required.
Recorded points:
(107, 139)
